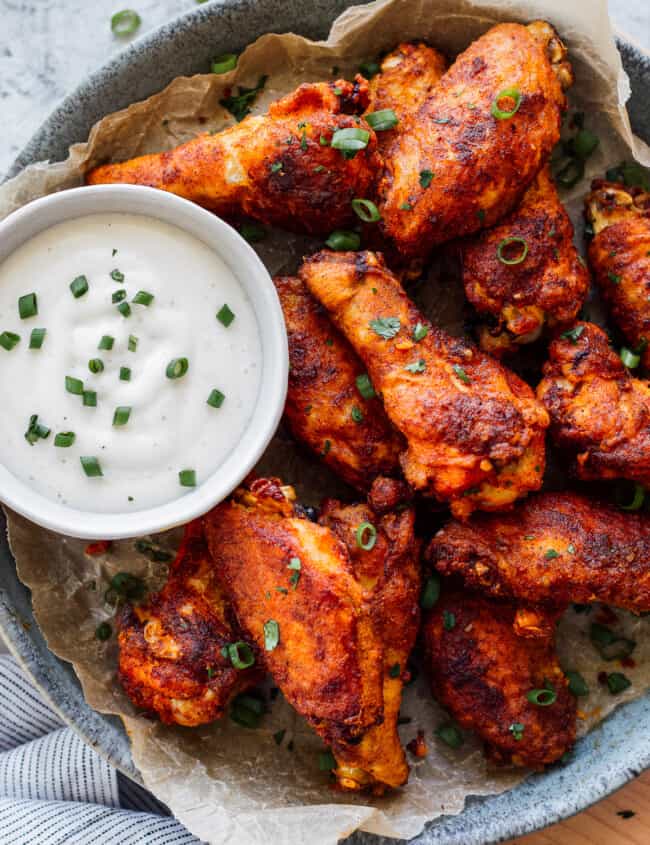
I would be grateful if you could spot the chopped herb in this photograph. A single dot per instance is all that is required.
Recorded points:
(125, 374)
(64, 439)
(420, 332)
(121, 415)
(252, 232)
(350, 139)
(450, 734)
(327, 445)
(431, 592)
(517, 730)
(296, 566)
(125, 23)
(36, 338)
(96, 365)
(143, 297)
(382, 120)
(224, 63)
(240, 654)
(364, 386)
(276, 167)
(125, 309)
(637, 499)
(278, 736)
(239, 105)
(549, 554)
(117, 276)
(448, 620)
(271, 635)
(480, 213)
(247, 710)
(366, 210)
(342, 241)
(610, 645)
(417, 366)
(369, 69)
(225, 315)
(319, 168)
(630, 359)
(577, 684)
(36, 431)
(155, 554)
(512, 94)
(91, 466)
(386, 327)
(542, 697)
(614, 279)
(326, 761)
(573, 334)
(406, 206)
(133, 343)
(79, 286)
(366, 536)
(441, 119)
(118, 296)
(27, 306)
(462, 375)
(74, 385)
(357, 414)
(106, 342)
(177, 368)
(394, 671)
(617, 682)
(90, 398)
(103, 632)
(187, 478)
(216, 398)
(8, 340)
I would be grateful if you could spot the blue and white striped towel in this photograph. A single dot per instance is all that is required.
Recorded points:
(55, 790)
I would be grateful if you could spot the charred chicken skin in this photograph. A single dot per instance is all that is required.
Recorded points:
(324, 407)
(525, 272)
(170, 648)
(554, 549)
(482, 672)
(599, 413)
(619, 254)
(273, 167)
(300, 598)
(483, 133)
(474, 430)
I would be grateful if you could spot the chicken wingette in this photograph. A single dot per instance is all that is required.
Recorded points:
(478, 140)
(619, 255)
(304, 603)
(525, 273)
(600, 414)
(171, 658)
(324, 408)
(483, 674)
(280, 168)
(474, 430)
(553, 549)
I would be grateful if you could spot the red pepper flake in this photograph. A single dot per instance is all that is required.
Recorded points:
(98, 548)
(418, 746)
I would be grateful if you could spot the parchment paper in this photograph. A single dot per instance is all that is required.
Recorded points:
(226, 783)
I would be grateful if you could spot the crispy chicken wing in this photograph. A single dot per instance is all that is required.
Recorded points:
(599, 413)
(619, 255)
(553, 549)
(273, 167)
(474, 430)
(481, 163)
(324, 408)
(547, 287)
(170, 659)
(304, 602)
(481, 671)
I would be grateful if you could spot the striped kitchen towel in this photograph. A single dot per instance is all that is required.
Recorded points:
(55, 790)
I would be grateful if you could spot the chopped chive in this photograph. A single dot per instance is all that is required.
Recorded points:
(121, 415)
(369, 69)
(252, 232)
(177, 368)
(295, 564)
(630, 359)
(96, 365)
(610, 645)
(118, 296)
(239, 104)
(116, 276)
(577, 684)
(638, 498)
(351, 139)
(364, 386)
(125, 309)
(187, 478)
(143, 297)
(357, 414)
(542, 697)
(36, 338)
(450, 734)
(617, 682)
(91, 466)
(517, 731)
(79, 286)
(366, 536)
(520, 244)
(342, 241)
(420, 332)
(448, 620)
(133, 343)
(462, 375)
(382, 119)
(247, 711)
(366, 210)
(64, 439)
(225, 315)
(573, 334)
(271, 635)
(224, 63)
(241, 654)
(125, 22)
(326, 761)
(125, 373)
(550, 554)
(90, 398)
(431, 592)
(8, 340)
(74, 385)
(509, 94)
(27, 306)
(394, 671)
(278, 736)
(215, 399)
(106, 342)
(417, 366)
(426, 177)
(276, 167)
(36, 431)
(103, 632)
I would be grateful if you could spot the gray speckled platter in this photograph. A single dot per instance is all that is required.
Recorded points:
(604, 760)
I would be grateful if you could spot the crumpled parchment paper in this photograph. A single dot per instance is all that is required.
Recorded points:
(226, 783)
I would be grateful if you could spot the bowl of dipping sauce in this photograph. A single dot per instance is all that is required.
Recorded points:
(143, 358)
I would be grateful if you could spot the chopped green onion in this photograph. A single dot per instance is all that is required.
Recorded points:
(637, 499)
(326, 761)
(448, 620)
(510, 94)
(177, 368)
(74, 385)
(417, 366)
(278, 736)
(96, 365)
(450, 734)
(117, 276)
(79, 286)
(295, 564)
(577, 684)
(224, 63)
(103, 632)
(366, 210)
(64, 439)
(550, 554)
(573, 334)
(143, 297)
(155, 554)
(133, 343)
(366, 536)
(342, 241)
(90, 398)
(461, 374)
(420, 332)
(271, 635)
(106, 342)
(247, 711)
(36, 431)
(241, 655)
(187, 478)
(276, 167)
(239, 104)
(431, 592)
(542, 697)
(631, 174)
(630, 359)
(386, 327)
(91, 466)
(351, 139)
(426, 177)
(610, 646)
(125, 22)
(121, 415)
(364, 386)
(571, 173)
(125, 309)
(584, 143)
(27, 306)
(8, 340)
(125, 373)
(216, 398)
(517, 259)
(225, 315)
(36, 338)
(357, 414)
(617, 682)
(252, 232)
(369, 69)
(394, 671)
(382, 119)
(118, 296)
(517, 731)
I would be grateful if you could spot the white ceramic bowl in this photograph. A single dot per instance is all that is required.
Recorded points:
(255, 280)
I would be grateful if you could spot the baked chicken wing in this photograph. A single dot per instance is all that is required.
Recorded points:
(525, 273)
(483, 133)
(274, 167)
(482, 672)
(553, 549)
(296, 593)
(324, 407)
(474, 430)
(170, 648)
(599, 413)
(619, 254)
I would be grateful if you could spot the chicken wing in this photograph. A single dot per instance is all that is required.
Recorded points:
(482, 672)
(324, 407)
(483, 134)
(279, 168)
(619, 255)
(296, 594)
(474, 430)
(599, 413)
(170, 648)
(553, 549)
(525, 273)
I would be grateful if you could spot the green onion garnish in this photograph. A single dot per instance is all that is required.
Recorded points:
(125, 309)
(225, 315)
(450, 734)
(431, 592)
(366, 536)
(79, 286)
(516, 259)
(448, 620)
(177, 368)
(215, 399)
(394, 671)
(247, 711)
(550, 554)
(239, 104)
(106, 342)
(382, 120)
(573, 334)
(125, 373)
(90, 398)
(366, 210)
(252, 232)
(8, 340)
(91, 466)
(36, 338)
(27, 306)
(341, 241)
(426, 177)
(617, 682)
(517, 731)
(121, 415)
(241, 655)
(96, 365)
(542, 697)
(133, 343)
(417, 366)
(117, 276)
(637, 499)
(510, 94)
(64, 439)
(571, 173)
(295, 564)
(143, 297)
(420, 332)
(103, 632)
(386, 327)
(610, 646)
(125, 22)
(364, 386)
(187, 478)
(326, 761)
(118, 296)
(369, 69)
(36, 431)
(577, 684)
(584, 143)
(74, 385)
(357, 414)
(351, 139)
(461, 374)
(224, 63)
(271, 634)
(630, 359)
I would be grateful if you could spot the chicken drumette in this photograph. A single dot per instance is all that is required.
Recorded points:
(474, 430)
(280, 168)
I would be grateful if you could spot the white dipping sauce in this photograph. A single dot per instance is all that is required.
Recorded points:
(171, 426)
